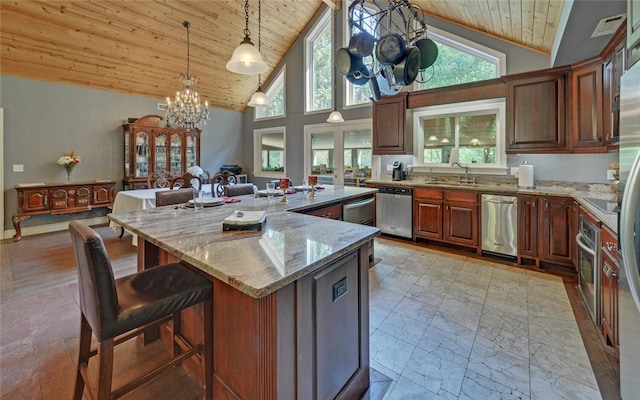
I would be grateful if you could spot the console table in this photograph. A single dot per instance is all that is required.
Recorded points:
(60, 198)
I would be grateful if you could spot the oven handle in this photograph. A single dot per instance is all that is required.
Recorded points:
(583, 246)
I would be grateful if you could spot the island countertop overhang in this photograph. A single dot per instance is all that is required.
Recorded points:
(290, 245)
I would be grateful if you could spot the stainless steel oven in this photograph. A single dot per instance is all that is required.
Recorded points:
(588, 239)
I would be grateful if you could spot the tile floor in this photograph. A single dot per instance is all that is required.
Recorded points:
(442, 326)
(447, 326)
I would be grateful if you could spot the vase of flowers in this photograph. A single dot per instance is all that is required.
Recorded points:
(69, 161)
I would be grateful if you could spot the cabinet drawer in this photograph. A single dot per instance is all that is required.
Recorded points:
(332, 212)
(460, 195)
(422, 193)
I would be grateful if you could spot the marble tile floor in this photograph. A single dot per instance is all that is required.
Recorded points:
(441, 326)
(446, 326)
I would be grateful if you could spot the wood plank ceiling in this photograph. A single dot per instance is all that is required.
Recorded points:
(139, 47)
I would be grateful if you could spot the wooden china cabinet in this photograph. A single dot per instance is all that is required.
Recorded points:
(149, 145)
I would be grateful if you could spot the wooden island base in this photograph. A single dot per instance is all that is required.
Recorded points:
(307, 340)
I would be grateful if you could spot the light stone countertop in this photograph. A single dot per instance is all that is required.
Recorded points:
(290, 245)
(577, 191)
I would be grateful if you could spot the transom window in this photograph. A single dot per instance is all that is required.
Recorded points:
(319, 63)
(275, 93)
(460, 61)
(473, 130)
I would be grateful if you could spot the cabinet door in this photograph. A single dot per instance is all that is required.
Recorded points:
(586, 108)
(528, 226)
(103, 194)
(332, 212)
(160, 151)
(558, 230)
(389, 130)
(461, 223)
(609, 297)
(32, 200)
(176, 154)
(633, 31)
(536, 114)
(192, 143)
(142, 154)
(427, 218)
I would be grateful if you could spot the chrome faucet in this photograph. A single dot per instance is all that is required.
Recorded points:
(466, 173)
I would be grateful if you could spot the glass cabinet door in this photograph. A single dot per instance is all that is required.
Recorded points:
(191, 153)
(127, 169)
(161, 152)
(176, 154)
(142, 154)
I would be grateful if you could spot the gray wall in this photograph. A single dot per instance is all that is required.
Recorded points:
(42, 120)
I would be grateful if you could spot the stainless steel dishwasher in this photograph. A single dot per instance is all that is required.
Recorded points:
(500, 225)
(394, 214)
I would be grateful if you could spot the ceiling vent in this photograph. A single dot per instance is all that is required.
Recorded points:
(609, 25)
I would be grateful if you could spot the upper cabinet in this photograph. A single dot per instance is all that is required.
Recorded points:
(586, 101)
(392, 132)
(536, 112)
(150, 146)
(633, 31)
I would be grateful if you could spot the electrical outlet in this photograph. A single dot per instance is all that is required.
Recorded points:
(18, 168)
(515, 171)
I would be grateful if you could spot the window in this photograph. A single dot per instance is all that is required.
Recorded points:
(275, 93)
(474, 129)
(269, 151)
(460, 61)
(359, 94)
(319, 66)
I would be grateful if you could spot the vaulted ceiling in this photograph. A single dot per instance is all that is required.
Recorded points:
(139, 47)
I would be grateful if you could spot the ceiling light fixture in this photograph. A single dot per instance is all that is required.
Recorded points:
(259, 98)
(187, 111)
(246, 59)
(335, 117)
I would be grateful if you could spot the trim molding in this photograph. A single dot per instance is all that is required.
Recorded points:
(55, 227)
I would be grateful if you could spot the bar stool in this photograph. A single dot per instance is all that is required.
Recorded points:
(116, 310)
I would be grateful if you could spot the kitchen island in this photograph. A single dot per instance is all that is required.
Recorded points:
(290, 302)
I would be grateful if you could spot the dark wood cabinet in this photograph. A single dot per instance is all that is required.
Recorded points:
(587, 130)
(609, 270)
(614, 66)
(558, 230)
(427, 213)
(528, 227)
(446, 215)
(150, 146)
(60, 199)
(333, 211)
(391, 132)
(536, 120)
(461, 217)
(633, 31)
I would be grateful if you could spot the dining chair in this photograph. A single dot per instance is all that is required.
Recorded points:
(239, 189)
(186, 181)
(223, 179)
(159, 179)
(116, 310)
(176, 196)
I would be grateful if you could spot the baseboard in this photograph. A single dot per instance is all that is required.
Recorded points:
(55, 227)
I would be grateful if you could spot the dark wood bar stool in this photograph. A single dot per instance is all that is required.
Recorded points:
(116, 310)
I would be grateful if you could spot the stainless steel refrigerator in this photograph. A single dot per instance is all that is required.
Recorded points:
(629, 234)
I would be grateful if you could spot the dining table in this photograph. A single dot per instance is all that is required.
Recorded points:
(141, 199)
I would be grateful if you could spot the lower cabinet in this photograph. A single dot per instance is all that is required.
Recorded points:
(609, 269)
(446, 215)
(546, 229)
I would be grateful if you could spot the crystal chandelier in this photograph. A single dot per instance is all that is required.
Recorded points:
(259, 98)
(186, 111)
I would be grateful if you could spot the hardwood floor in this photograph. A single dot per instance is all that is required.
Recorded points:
(39, 324)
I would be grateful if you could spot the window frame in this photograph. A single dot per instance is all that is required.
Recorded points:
(457, 109)
(325, 19)
(348, 87)
(257, 152)
(498, 58)
(280, 82)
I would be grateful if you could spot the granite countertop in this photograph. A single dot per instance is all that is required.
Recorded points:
(578, 191)
(257, 263)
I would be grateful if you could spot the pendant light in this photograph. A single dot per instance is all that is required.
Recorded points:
(335, 117)
(246, 59)
(186, 111)
(259, 98)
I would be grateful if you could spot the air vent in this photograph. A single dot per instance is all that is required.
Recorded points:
(162, 106)
(609, 25)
